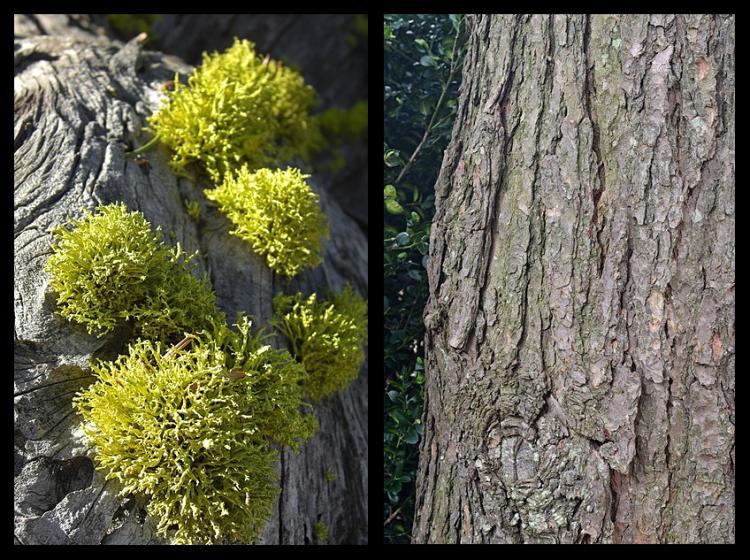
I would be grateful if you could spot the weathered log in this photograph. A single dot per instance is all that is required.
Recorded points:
(79, 105)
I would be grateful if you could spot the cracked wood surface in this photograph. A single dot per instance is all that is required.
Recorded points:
(79, 105)
(580, 324)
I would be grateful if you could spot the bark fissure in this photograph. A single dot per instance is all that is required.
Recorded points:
(598, 187)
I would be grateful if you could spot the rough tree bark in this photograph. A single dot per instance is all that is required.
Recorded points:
(79, 105)
(580, 326)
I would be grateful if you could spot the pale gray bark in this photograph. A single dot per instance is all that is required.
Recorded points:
(79, 105)
(580, 327)
(78, 26)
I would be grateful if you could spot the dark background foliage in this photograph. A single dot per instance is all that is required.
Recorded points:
(422, 72)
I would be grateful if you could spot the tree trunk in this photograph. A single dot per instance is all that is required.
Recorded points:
(580, 326)
(79, 105)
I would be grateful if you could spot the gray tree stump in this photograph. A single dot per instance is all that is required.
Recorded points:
(79, 105)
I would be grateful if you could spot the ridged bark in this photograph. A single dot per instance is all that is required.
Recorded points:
(580, 326)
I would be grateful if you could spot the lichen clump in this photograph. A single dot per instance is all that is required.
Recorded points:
(328, 337)
(190, 427)
(320, 532)
(110, 267)
(277, 212)
(342, 125)
(129, 25)
(334, 127)
(238, 108)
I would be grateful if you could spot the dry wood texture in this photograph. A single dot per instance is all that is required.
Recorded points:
(580, 327)
(79, 105)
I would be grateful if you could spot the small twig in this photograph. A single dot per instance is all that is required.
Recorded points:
(143, 148)
(184, 343)
(395, 513)
(438, 107)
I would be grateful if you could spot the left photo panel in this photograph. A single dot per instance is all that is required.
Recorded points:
(190, 279)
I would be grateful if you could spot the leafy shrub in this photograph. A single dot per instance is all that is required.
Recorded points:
(238, 108)
(405, 278)
(402, 429)
(277, 212)
(110, 267)
(422, 61)
(190, 428)
(327, 337)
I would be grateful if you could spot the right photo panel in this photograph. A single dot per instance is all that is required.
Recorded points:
(559, 251)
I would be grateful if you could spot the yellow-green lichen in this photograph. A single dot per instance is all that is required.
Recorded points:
(110, 267)
(330, 475)
(358, 32)
(238, 108)
(334, 127)
(328, 337)
(193, 209)
(190, 429)
(277, 212)
(338, 125)
(320, 532)
(128, 26)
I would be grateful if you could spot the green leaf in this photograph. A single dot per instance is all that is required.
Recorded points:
(389, 191)
(414, 275)
(399, 417)
(402, 238)
(454, 21)
(412, 436)
(392, 158)
(393, 207)
(393, 395)
(425, 107)
(427, 60)
(422, 43)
